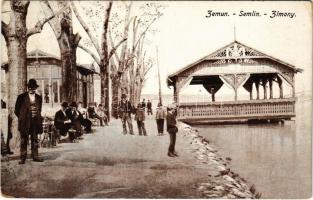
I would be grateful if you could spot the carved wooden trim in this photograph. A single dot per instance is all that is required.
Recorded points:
(288, 77)
(236, 51)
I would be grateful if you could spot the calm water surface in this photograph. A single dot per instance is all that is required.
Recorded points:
(276, 158)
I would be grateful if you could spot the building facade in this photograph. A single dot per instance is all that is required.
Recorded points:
(46, 70)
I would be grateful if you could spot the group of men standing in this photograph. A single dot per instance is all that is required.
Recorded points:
(126, 109)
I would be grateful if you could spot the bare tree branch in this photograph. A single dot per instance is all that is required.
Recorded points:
(112, 45)
(39, 25)
(90, 53)
(144, 32)
(53, 22)
(76, 39)
(104, 54)
(4, 30)
(147, 70)
(114, 48)
(86, 28)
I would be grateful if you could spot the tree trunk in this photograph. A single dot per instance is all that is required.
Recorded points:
(115, 96)
(16, 42)
(17, 81)
(68, 44)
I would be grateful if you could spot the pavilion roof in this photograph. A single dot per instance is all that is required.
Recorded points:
(39, 54)
(235, 50)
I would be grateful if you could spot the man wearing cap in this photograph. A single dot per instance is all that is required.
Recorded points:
(125, 109)
(28, 111)
(171, 129)
(61, 120)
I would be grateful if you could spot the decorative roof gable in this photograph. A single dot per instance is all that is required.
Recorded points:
(235, 50)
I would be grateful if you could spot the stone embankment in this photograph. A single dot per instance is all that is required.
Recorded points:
(222, 182)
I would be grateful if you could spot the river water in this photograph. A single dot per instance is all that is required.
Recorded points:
(276, 158)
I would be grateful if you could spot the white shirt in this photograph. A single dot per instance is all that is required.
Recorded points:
(31, 97)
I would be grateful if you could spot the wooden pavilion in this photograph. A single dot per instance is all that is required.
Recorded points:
(236, 65)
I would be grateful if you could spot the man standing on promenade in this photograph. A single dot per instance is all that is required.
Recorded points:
(171, 129)
(28, 110)
(140, 118)
(159, 117)
(125, 109)
(149, 107)
(143, 104)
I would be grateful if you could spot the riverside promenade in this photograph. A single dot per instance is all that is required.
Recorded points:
(108, 164)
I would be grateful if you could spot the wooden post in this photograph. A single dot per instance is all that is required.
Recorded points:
(271, 88)
(58, 88)
(257, 86)
(293, 87)
(235, 86)
(264, 88)
(51, 97)
(213, 94)
(280, 84)
(176, 94)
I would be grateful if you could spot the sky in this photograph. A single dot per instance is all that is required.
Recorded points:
(186, 35)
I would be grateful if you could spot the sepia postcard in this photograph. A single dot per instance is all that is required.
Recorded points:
(156, 99)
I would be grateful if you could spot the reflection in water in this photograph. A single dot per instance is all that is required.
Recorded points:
(276, 158)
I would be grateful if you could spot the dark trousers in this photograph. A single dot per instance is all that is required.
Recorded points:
(34, 141)
(63, 129)
(141, 127)
(126, 117)
(76, 125)
(10, 135)
(149, 111)
(87, 124)
(160, 125)
(171, 148)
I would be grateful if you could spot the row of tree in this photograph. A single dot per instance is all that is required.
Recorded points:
(116, 41)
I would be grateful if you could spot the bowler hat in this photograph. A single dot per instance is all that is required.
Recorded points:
(32, 83)
(73, 104)
(64, 104)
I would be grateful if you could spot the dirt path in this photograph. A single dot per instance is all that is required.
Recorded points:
(108, 164)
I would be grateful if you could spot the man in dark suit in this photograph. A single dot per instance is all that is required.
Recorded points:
(125, 110)
(61, 120)
(76, 118)
(28, 110)
(172, 128)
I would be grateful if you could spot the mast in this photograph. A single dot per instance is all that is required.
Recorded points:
(160, 92)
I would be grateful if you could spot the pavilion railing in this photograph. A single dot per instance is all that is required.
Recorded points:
(253, 109)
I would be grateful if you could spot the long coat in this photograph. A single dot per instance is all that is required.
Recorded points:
(171, 122)
(59, 119)
(23, 112)
(140, 114)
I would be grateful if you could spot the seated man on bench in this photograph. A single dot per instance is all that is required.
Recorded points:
(76, 119)
(62, 121)
(91, 111)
